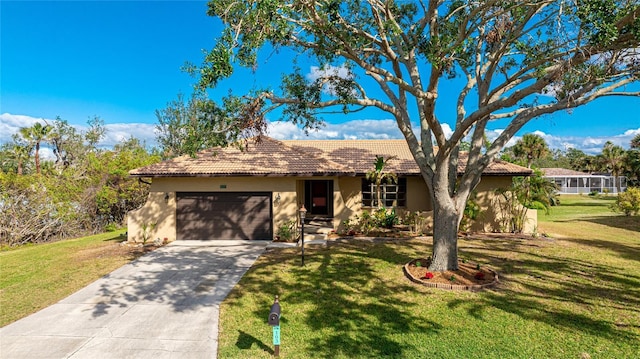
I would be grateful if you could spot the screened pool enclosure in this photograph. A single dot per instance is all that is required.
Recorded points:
(574, 182)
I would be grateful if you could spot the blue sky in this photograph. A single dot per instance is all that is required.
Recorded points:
(120, 60)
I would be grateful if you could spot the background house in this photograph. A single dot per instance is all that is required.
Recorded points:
(245, 193)
(575, 182)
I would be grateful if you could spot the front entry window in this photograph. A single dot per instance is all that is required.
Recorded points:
(392, 194)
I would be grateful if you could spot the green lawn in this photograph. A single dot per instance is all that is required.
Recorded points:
(573, 293)
(36, 276)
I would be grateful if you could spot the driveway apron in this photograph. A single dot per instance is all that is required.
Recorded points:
(163, 305)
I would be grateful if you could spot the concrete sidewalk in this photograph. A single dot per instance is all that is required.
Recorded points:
(163, 305)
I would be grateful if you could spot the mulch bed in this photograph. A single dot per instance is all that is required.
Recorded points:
(467, 277)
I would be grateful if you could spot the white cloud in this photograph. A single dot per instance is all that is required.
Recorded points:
(351, 130)
(329, 71)
(119, 132)
(383, 129)
(590, 144)
(445, 128)
(493, 134)
(631, 133)
(11, 124)
(356, 129)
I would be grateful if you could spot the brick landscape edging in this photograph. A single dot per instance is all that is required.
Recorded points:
(473, 287)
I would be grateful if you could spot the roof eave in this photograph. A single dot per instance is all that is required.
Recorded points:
(212, 175)
(302, 174)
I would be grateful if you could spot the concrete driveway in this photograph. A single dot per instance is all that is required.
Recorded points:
(163, 305)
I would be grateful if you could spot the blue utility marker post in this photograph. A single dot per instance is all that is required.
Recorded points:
(274, 321)
(276, 338)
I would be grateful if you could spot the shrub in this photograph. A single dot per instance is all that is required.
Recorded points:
(286, 230)
(369, 221)
(628, 202)
(147, 229)
(366, 223)
(538, 206)
(36, 209)
(385, 219)
(471, 212)
(512, 214)
(415, 221)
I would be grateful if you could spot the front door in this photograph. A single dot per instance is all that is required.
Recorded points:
(319, 197)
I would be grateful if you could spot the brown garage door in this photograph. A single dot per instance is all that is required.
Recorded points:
(223, 215)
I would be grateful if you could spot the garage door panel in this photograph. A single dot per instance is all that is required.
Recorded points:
(224, 215)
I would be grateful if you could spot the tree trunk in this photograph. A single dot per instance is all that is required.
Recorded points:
(379, 193)
(37, 156)
(445, 241)
(446, 220)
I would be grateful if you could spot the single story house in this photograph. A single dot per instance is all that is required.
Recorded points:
(575, 182)
(232, 193)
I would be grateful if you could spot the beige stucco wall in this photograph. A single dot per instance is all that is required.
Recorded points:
(418, 198)
(349, 197)
(491, 218)
(158, 214)
(347, 200)
(156, 210)
(485, 197)
(288, 196)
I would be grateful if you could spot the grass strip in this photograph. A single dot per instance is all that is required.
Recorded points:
(36, 276)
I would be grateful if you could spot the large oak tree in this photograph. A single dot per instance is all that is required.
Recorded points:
(511, 60)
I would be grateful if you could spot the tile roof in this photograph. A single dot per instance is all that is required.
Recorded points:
(360, 155)
(498, 168)
(557, 172)
(271, 157)
(265, 158)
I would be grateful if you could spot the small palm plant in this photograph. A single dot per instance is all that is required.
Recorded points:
(378, 175)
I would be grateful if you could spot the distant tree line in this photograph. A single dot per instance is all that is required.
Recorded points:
(84, 189)
(532, 151)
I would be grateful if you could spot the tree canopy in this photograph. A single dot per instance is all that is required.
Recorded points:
(531, 147)
(186, 127)
(510, 60)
